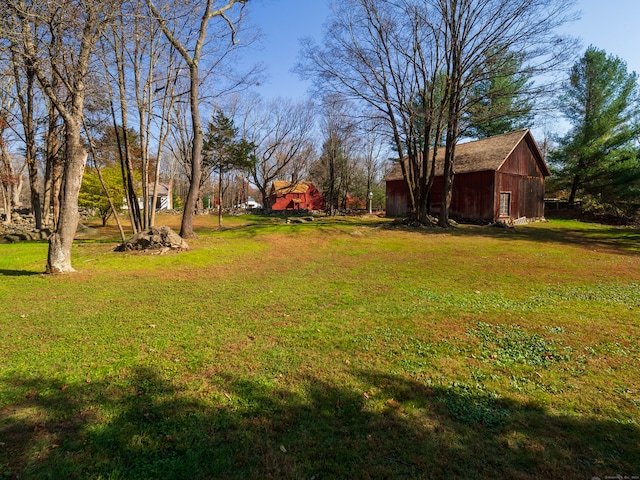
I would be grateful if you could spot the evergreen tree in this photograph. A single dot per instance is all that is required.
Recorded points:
(223, 151)
(499, 102)
(599, 156)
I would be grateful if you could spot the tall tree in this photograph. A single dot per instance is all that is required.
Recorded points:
(337, 152)
(386, 57)
(281, 131)
(223, 151)
(82, 23)
(372, 149)
(25, 79)
(601, 100)
(191, 48)
(482, 32)
(8, 177)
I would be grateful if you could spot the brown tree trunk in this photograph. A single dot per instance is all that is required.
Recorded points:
(574, 190)
(52, 169)
(186, 228)
(8, 181)
(220, 198)
(60, 242)
(26, 101)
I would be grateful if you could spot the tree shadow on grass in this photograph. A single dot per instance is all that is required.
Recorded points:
(18, 273)
(398, 428)
(617, 240)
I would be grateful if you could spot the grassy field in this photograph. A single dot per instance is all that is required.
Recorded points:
(338, 349)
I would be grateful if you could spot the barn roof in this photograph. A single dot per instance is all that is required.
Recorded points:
(282, 187)
(482, 155)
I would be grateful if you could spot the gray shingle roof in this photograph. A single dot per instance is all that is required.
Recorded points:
(479, 155)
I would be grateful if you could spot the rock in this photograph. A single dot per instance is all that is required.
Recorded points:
(155, 239)
(83, 232)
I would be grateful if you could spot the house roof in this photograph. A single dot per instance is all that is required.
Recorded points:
(163, 189)
(282, 187)
(482, 155)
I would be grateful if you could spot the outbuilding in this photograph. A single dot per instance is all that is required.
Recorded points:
(295, 196)
(500, 178)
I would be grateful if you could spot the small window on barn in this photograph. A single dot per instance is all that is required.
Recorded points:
(505, 204)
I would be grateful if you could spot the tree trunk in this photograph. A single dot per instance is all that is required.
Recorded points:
(56, 187)
(220, 198)
(60, 242)
(52, 168)
(26, 102)
(5, 204)
(266, 205)
(447, 187)
(8, 181)
(448, 173)
(574, 190)
(186, 228)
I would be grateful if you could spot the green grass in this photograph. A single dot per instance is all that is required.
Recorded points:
(346, 348)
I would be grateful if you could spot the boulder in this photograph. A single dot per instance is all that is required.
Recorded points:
(160, 239)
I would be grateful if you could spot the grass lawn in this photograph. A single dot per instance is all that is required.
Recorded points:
(338, 349)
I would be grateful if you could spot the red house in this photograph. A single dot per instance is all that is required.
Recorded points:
(295, 196)
(496, 178)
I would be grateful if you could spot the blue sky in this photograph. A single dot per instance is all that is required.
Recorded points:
(612, 25)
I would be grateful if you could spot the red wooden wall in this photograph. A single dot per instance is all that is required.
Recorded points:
(476, 195)
(310, 200)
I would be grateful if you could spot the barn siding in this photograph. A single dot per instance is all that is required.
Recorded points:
(521, 162)
(472, 196)
(476, 195)
(521, 175)
(397, 202)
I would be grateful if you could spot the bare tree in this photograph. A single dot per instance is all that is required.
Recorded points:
(154, 66)
(53, 161)
(24, 78)
(385, 58)
(82, 22)
(8, 177)
(372, 149)
(166, 81)
(337, 151)
(281, 131)
(477, 32)
(191, 50)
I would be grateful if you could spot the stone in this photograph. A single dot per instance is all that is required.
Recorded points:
(154, 239)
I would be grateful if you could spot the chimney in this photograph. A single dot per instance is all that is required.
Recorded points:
(294, 178)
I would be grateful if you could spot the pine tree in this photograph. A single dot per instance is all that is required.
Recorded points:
(223, 151)
(499, 102)
(598, 156)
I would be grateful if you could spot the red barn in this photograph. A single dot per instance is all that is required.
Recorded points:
(295, 196)
(496, 178)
